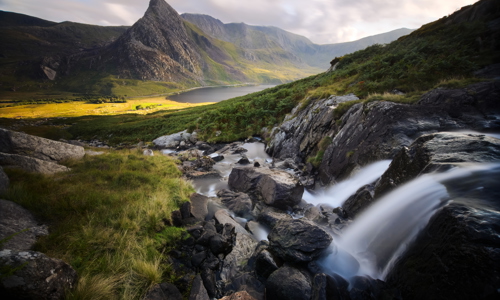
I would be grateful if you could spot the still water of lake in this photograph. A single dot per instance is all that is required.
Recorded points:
(217, 94)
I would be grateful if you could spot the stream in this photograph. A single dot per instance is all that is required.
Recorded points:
(379, 236)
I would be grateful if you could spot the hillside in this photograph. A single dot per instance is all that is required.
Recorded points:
(298, 48)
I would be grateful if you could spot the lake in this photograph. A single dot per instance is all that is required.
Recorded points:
(217, 94)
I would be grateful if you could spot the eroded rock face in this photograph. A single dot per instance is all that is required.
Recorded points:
(298, 240)
(31, 164)
(302, 130)
(14, 219)
(44, 149)
(37, 276)
(288, 283)
(378, 130)
(276, 188)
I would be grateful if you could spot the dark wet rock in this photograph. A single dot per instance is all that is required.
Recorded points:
(379, 130)
(256, 164)
(327, 287)
(198, 290)
(30, 164)
(37, 276)
(298, 240)
(217, 158)
(439, 151)
(209, 281)
(239, 203)
(243, 160)
(22, 144)
(238, 150)
(18, 223)
(265, 264)
(288, 283)
(198, 258)
(199, 208)
(186, 210)
(4, 181)
(270, 218)
(221, 244)
(163, 291)
(359, 201)
(276, 188)
(176, 217)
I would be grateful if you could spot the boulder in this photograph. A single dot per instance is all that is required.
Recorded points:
(148, 152)
(298, 240)
(18, 223)
(235, 262)
(163, 291)
(173, 140)
(239, 203)
(198, 290)
(276, 188)
(31, 164)
(35, 276)
(265, 264)
(326, 287)
(199, 206)
(270, 218)
(288, 283)
(223, 217)
(28, 145)
(359, 201)
(4, 181)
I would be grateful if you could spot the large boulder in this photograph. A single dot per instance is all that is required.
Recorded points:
(239, 203)
(173, 140)
(288, 283)
(298, 240)
(163, 291)
(199, 206)
(276, 188)
(4, 181)
(198, 290)
(31, 164)
(19, 225)
(28, 145)
(35, 276)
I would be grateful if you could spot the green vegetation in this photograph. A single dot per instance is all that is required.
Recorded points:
(108, 219)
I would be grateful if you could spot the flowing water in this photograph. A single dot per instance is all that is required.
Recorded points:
(379, 236)
(337, 194)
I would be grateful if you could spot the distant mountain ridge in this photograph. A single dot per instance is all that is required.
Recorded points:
(168, 51)
(258, 37)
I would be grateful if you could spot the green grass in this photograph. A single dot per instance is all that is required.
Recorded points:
(107, 219)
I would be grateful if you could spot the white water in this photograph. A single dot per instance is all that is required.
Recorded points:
(378, 237)
(336, 195)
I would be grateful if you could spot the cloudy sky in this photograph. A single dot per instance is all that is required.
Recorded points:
(322, 21)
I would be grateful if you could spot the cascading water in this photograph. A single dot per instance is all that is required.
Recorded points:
(378, 237)
(336, 195)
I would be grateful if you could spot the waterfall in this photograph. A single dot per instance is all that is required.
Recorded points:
(379, 236)
(336, 195)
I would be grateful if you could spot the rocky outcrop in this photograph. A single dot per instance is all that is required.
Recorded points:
(379, 130)
(31, 164)
(276, 188)
(19, 143)
(35, 276)
(4, 181)
(303, 129)
(298, 240)
(175, 140)
(19, 226)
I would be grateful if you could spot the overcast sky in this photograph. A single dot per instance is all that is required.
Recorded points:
(322, 21)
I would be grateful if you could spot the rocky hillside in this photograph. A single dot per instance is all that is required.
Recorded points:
(297, 48)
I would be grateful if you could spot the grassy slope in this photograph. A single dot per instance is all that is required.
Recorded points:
(107, 219)
(435, 55)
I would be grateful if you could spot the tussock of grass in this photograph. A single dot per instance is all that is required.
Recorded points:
(107, 219)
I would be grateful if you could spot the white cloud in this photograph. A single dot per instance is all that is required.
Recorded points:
(323, 21)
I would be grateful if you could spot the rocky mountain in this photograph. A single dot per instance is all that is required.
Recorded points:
(298, 48)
